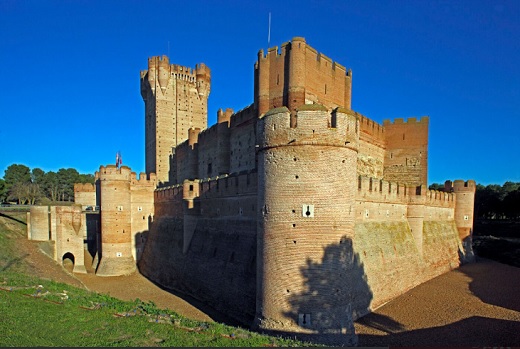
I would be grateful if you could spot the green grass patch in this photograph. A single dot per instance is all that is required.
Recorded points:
(43, 313)
(54, 314)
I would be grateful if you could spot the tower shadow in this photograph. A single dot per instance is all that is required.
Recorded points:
(335, 293)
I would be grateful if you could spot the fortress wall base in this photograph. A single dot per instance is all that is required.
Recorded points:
(218, 268)
(392, 262)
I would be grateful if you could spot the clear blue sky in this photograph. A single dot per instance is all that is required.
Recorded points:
(70, 94)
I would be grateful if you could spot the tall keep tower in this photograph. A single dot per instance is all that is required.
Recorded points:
(176, 99)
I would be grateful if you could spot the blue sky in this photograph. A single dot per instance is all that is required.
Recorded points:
(70, 94)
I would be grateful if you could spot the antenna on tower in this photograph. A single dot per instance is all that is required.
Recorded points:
(269, 32)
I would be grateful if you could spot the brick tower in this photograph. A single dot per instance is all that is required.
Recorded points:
(175, 100)
(298, 75)
(116, 256)
(464, 213)
(306, 195)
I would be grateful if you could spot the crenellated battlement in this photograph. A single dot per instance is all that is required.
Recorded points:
(322, 61)
(112, 172)
(410, 120)
(244, 115)
(315, 125)
(224, 116)
(460, 185)
(229, 185)
(378, 190)
(370, 126)
(84, 187)
(143, 180)
(297, 74)
(193, 136)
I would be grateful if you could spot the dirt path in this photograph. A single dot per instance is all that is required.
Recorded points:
(135, 286)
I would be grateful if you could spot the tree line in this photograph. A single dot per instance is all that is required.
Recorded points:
(26, 186)
(495, 201)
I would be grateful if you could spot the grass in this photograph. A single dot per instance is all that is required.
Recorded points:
(38, 312)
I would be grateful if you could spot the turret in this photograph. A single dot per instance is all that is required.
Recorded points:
(262, 83)
(116, 257)
(415, 214)
(296, 93)
(306, 192)
(164, 73)
(152, 73)
(224, 116)
(203, 74)
(464, 213)
(348, 90)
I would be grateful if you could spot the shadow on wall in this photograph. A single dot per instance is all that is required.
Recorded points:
(140, 242)
(93, 229)
(336, 293)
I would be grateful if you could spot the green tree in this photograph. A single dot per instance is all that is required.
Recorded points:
(19, 192)
(436, 186)
(16, 173)
(37, 176)
(66, 179)
(3, 191)
(511, 204)
(86, 178)
(51, 185)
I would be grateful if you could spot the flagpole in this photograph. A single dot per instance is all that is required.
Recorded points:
(269, 32)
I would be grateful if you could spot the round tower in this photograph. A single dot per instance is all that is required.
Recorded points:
(203, 74)
(164, 73)
(306, 195)
(116, 237)
(152, 62)
(464, 213)
(415, 214)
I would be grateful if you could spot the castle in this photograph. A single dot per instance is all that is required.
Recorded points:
(293, 215)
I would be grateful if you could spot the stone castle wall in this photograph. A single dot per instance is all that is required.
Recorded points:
(398, 235)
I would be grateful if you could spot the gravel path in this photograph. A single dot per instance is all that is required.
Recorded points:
(476, 305)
